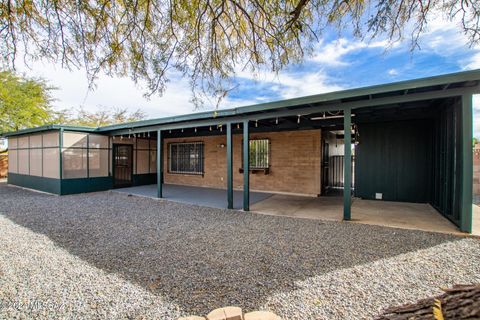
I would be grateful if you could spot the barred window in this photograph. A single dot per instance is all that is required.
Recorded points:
(259, 153)
(186, 157)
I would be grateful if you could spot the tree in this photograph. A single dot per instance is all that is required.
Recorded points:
(24, 102)
(102, 117)
(206, 40)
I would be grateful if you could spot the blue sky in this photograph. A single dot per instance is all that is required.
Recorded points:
(337, 63)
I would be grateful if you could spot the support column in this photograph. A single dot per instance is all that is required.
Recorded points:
(229, 167)
(159, 164)
(60, 149)
(466, 164)
(246, 168)
(347, 165)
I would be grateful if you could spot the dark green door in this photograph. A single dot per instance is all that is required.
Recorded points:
(122, 165)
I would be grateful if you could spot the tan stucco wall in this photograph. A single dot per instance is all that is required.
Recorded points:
(294, 163)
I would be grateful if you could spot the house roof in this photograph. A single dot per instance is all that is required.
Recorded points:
(459, 80)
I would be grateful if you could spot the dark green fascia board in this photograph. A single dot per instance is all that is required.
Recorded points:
(446, 79)
(49, 127)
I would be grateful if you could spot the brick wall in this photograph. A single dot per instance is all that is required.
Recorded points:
(3, 165)
(476, 170)
(294, 163)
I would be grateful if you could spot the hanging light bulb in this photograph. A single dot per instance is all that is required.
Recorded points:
(148, 134)
(238, 125)
(256, 123)
(195, 130)
(276, 121)
(221, 128)
(324, 115)
(298, 120)
(182, 130)
(210, 128)
(121, 137)
(169, 131)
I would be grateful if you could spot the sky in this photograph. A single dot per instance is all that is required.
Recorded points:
(337, 63)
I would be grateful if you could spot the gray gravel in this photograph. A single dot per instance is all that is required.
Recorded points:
(108, 255)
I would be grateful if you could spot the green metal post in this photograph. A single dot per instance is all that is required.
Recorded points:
(347, 173)
(60, 147)
(467, 165)
(246, 168)
(229, 167)
(159, 164)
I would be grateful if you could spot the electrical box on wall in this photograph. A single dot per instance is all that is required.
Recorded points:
(378, 196)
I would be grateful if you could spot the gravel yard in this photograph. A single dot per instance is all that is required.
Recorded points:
(108, 255)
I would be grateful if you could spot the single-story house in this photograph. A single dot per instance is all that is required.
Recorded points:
(408, 141)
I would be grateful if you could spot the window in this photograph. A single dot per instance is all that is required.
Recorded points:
(85, 155)
(259, 153)
(35, 155)
(186, 157)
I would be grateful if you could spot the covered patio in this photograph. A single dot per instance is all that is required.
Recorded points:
(414, 216)
(208, 197)
(402, 148)
(404, 215)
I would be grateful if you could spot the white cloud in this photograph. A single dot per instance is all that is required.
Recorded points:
(331, 54)
(393, 72)
(297, 85)
(445, 38)
(111, 92)
(472, 62)
(290, 84)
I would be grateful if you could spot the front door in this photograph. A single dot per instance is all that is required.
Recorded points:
(122, 165)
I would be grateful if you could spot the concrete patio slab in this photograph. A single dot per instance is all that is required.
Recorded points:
(208, 197)
(416, 216)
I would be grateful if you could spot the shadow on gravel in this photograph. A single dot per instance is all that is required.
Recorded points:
(202, 258)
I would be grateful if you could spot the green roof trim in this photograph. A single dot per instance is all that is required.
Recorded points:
(446, 79)
(49, 127)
